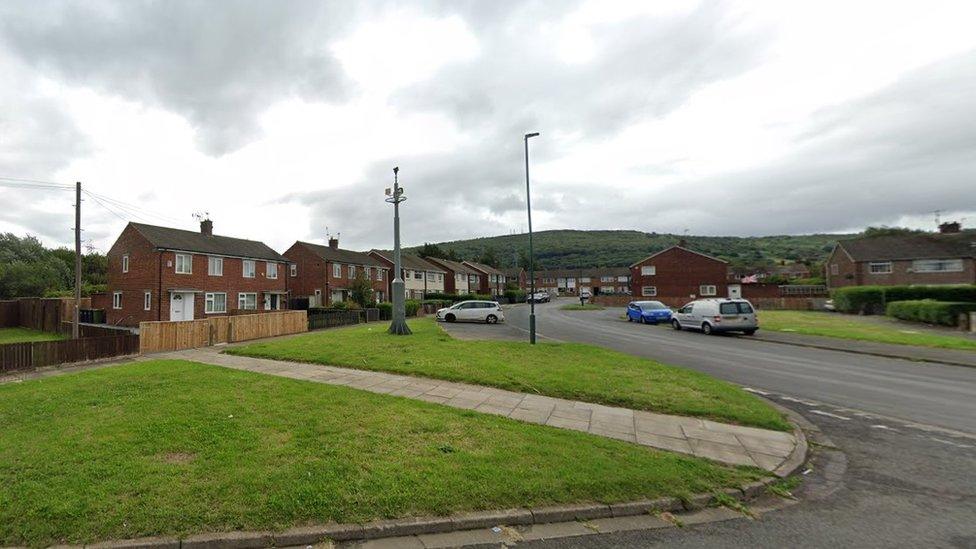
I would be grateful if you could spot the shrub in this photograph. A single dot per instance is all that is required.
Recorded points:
(873, 299)
(411, 306)
(859, 299)
(957, 293)
(930, 311)
(386, 310)
(342, 305)
(515, 296)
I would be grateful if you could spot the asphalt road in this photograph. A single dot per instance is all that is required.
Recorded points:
(906, 430)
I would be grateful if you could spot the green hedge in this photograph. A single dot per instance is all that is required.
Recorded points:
(386, 310)
(873, 299)
(411, 306)
(945, 313)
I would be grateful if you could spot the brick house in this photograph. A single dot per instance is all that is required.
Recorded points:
(160, 273)
(325, 274)
(456, 275)
(488, 280)
(420, 277)
(677, 274)
(596, 280)
(518, 276)
(930, 258)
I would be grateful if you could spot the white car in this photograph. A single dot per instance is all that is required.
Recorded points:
(716, 315)
(539, 297)
(488, 312)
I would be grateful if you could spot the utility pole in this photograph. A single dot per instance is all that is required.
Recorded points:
(74, 323)
(399, 324)
(528, 206)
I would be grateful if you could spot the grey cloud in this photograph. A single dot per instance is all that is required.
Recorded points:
(218, 65)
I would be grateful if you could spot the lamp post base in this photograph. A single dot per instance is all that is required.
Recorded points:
(399, 327)
(399, 324)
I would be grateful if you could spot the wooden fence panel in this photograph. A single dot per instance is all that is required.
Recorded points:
(28, 356)
(9, 314)
(190, 334)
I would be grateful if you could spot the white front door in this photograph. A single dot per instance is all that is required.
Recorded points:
(181, 306)
(735, 291)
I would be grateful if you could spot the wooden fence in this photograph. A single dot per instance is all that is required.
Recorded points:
(37, 313)
(89, 330)
(189, 334)
(27, 356)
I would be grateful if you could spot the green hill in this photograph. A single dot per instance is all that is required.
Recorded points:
(571, 249)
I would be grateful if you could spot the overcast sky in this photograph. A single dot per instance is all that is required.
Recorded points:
(284, 119)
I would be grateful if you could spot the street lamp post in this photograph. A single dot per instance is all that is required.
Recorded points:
(399, 324)
(528, 205)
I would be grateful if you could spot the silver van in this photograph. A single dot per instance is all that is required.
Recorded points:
(717, 315)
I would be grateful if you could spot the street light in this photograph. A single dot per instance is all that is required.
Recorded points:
(528, 205)
(399, 324)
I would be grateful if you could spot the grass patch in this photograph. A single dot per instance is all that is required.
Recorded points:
(26, 335)
(578, 307)
(857, 327)
(784, 487)
(567, 370)
(175, 447)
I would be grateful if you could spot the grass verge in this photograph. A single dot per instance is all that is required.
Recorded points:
(578, 307)
(26, 335)
(174, 447)
(855, 327)
(566, 370)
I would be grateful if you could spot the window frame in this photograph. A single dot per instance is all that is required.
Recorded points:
(210, 303)
(834, 269)
(125, 263)
(293, 270)
(379, 274)
(254, 268)
(242, 301)
(644, 291)
(648, 270)
(703, 292)
(270, 266)
(883, 264)
(147, 301)
(213, 261)
(117, 300)
(187, 261)
(954, 261)
(351, 269)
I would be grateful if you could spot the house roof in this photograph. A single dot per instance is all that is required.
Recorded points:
(193, 241)
(513, 272)
(338, 255)
(455, 266)
(412, 262)
(915, 246)
(680, 248)
(487, 269)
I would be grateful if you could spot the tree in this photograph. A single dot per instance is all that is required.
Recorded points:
(361, 290)
(889, 231)
(28, 269)
(432, 250)
(488, 257)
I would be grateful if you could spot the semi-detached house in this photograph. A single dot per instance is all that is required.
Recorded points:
(420, 277)
(161, 273)
(930, 258)
(456, 277)
(325, 274)
(677, 274)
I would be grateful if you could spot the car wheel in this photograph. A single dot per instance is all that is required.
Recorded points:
(676, 325)
(450, 318)
(749, 332)
(491, 319)
(629, 319)
(706, 328)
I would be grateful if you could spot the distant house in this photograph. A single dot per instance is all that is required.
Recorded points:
(929, 258)
(160, 273)
(420, 277)
(791, 270)
(516, 275)
(489, 280)
(456, 275)
(325, 274)
(679, 274)
(596, 280)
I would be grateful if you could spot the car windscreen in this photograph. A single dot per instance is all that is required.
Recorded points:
(652, 305)
(735, 308)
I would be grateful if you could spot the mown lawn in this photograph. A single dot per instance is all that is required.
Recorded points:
(578, 307)
(24, 335)
(566, 370)
(860, 328)
(174, 447)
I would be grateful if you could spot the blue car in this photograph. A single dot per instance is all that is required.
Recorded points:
(648, 312)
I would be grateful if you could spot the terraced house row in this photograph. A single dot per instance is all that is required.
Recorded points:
(164, 274)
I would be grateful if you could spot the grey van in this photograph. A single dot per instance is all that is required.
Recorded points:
(717, 315)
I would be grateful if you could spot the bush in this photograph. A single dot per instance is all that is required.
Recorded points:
(515, 296)
(386, 310)
(872, 299)
(411, 306)
(438, 302)
(930, 311)
(342, 305)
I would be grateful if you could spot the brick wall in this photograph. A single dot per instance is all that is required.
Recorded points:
(679, 274)
(314, 273)
(858, 273)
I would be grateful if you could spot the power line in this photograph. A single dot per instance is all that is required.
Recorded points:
(37, 181)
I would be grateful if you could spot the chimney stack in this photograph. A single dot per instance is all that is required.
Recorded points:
(206, 227)
(334, 243)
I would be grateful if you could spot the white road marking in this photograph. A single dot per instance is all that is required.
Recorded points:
(885, 427)
(757, 391)
(950, 443)
(828, 414)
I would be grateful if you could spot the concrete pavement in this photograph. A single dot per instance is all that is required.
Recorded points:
(731, 444)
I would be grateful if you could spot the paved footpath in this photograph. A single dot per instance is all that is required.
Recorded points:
(703, 438)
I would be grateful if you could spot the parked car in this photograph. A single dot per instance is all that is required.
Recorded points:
(648, 312)
(489, 312)
(539, 297)
(585, 294)
(717, 315)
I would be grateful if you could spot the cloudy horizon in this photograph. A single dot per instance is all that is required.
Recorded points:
(283, 121)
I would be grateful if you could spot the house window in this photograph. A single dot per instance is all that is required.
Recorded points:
(649, 291)
(609, 290)
(147, 301)
(417, 275)
(247, 301)
(368, 272)
(431, 277)
(184, 264)
(379, 274)
(125, 263)
(336, 270)
(707, 289)
(937, 265)
(585, 280)
(216, 302)
(606, 279)
(271, 270)
(440, 277)
(293, 269)
(215, 266)
(648, 270)
(352, 272)
(621, 279)
(248, 268)
(834, 269)
(879, 267)
(117, 300)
